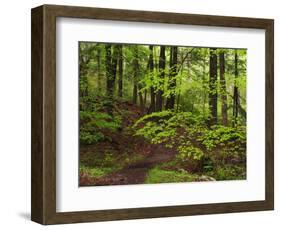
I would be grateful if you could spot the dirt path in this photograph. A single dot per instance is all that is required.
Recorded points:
(136, 173)
(124, 141)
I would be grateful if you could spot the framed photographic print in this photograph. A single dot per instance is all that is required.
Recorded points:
(139, 114)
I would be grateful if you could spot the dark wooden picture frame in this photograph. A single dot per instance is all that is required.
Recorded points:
(43, 197)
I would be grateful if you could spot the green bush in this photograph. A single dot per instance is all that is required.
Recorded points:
(228, 172)
(158, 175)
(93, 124)
(173, 129)
(199, 148)
(163, 127)
(221, 136)
(96, 171)
(89, 138)
(186, 153)
(155, 127)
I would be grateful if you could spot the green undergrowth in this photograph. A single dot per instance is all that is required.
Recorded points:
(96, 171)
(181, 170)
(228, 172)
(159, 175)
(102, 164)
(95, 124)
(216, 151)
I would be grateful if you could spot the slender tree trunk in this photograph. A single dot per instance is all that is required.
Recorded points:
(120, 71)
(135, 79)
(99, 67)
(152, 91)
(145, 98)
(223, 89)
(204, 85)
(179, 93)
(114, 62)
(83, 72)
(213, 95)
(170, 103)
(135, 92)
(111, 68)
(109, 73)
(159, 94)
(141, 100)
(235, 92)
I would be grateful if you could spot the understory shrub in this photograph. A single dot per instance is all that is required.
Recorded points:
(197, 145)
(94, 124)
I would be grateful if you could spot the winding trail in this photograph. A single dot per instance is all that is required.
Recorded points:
(124, 141)
(136, 172)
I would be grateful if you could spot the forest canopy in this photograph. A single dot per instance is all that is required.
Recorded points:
(161, 113)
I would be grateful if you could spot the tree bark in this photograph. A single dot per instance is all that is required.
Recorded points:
(170, 103)
(108, 67)
(135, 75)
(159, 94)
(223, 89)
(120, 71)
(99, 67)
(84, 69)
(111, 68)
(235, 91)
(213, 95)
(141, 100)
(205, 87)
(180, 82)
(114, 62)
(145, 98)
(84, 60)
(152, 91)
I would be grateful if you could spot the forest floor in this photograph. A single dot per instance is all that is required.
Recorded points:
(133, 156)
(136, 172)
(123, 158)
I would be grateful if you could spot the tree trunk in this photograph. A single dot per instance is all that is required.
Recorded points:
(145, 98)
(111, 67)
(135, 92)
(99, 67)
(159, 94)
(179, 93)
(141, 101)
(235, 92)
(152, 91)
(223, 89)
(109, 73)
(170, 103)
(114, 62)
(83, 72)
(120, 71)
(213, 95)
(205, 87)
(135, 77)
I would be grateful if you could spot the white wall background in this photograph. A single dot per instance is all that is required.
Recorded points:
(15, 113)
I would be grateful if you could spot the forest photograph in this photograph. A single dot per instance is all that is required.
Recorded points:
(161, 114)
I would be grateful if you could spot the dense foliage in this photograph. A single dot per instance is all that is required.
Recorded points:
(197, 145)
(179, 113)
